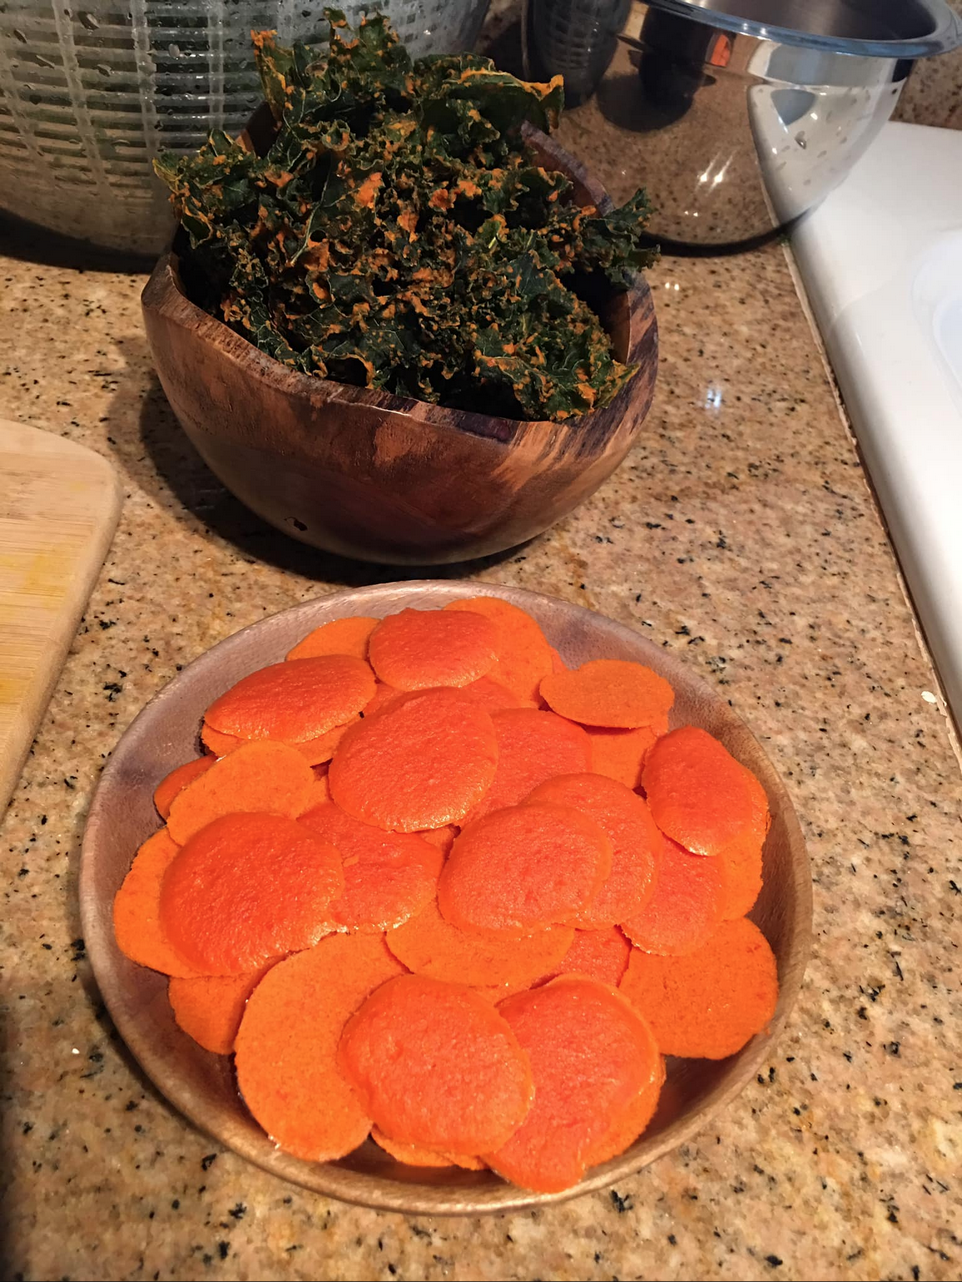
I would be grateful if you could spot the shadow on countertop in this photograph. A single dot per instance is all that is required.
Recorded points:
(154, 455)
(27, 242)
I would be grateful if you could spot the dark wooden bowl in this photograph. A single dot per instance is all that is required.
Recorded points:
(202, 1085)
(381, 477)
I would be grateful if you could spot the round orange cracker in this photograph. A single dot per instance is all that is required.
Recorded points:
(136, 911)
(621, 754)
(218, 743)
(524, 655)
(609, 692)
(247, 888)
(179, 778)
(270, 777)
(685, 907)
(435, 1065)
(697, 792)
(286, 1049)
(209, 1008)
(591, 1056)
(741, 865)
(422, 649)
(533, 746)
(629, 1124)
(316, 752)
(491, 694)
(341, 636)
(294, 701)
(742, 860)
(428, 944)
(421, 762)
(388, 876)
(708, 1004)
(523, 868)
(635, 842)
(599, 954)
(411, 1155)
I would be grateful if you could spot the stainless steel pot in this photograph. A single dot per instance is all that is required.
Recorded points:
(737, 115)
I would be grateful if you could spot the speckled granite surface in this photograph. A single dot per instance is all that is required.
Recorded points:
(740, 532)
(933, 95)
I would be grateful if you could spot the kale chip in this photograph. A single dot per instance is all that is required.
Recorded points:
(400, 234)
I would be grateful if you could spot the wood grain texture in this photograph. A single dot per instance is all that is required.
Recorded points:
(367, 474)
(59, 505)
(202, 1085)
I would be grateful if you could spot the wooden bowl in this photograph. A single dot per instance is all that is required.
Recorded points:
(202, 1084)
(381, 477)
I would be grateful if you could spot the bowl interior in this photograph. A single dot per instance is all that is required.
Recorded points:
(201, 1084)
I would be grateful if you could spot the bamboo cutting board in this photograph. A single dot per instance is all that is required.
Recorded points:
(59, 505)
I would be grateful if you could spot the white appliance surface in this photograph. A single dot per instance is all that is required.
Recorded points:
(881, 259)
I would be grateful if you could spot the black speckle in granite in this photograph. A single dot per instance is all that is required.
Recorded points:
(207, 1162)
(773, 1260)
(175, 1204)
(223, 1249)
(892, 1047)
(621, 1204)
(238, 1212)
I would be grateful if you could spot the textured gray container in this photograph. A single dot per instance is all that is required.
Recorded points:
(88, 96)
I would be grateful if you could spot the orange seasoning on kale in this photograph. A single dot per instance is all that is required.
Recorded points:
(400, 233)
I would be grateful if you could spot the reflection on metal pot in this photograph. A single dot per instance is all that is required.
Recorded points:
(738, 115)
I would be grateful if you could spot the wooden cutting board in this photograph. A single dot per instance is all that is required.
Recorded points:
(59, 505)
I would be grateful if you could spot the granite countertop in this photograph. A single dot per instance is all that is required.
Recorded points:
(741, 532)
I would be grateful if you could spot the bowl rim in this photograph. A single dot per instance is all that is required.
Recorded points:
(382, 1192)
(944, 35)
(164, 295)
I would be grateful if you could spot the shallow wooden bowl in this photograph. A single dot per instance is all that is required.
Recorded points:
(202, 1084)
(380, 477)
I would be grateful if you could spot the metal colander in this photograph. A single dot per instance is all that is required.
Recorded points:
(88, 96)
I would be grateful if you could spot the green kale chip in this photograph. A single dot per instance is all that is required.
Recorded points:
(400, 234)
